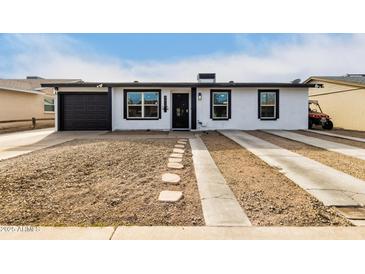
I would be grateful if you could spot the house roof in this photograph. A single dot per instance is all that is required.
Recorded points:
(32, 85)
(177, 84)
(349, 79)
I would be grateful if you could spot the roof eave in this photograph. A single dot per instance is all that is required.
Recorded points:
(22, 90)
(180, 84)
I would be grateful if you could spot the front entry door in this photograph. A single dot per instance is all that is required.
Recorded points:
(180, 110)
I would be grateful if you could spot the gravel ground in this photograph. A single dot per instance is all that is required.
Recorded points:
(137, 132)
(96, 183)
(333, 139)
(267, 196)
(352, 166)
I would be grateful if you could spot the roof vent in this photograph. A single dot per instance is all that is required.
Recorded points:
(206, 77)
(33, 77)
(296, 81)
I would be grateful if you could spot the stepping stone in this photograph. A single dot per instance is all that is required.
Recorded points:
(175, 160)
(175, 165)
(178, 150)
(170, 196)
(179, 146)
(176, 155)
(181, 142)
(170, 178)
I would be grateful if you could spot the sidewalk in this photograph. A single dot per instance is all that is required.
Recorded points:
(183, 233)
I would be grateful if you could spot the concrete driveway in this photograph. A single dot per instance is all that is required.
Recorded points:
(351, 151)
(328, 185)
(18, 143)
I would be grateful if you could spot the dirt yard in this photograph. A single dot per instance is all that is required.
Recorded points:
(267, 196)
(333, 139)
(97, 183)
(352, 166)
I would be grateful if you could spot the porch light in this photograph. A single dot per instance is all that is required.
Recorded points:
(199, 96)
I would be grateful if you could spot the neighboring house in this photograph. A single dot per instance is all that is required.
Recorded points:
(341, 97)
(201, 105)
(23, 99)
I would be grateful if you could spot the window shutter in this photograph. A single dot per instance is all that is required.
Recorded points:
(277, 104)
(211, 104)
(258, 104)
(229, 104)
(159, 105)
(125, 104)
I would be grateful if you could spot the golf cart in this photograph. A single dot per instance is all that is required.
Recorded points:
(317, 117)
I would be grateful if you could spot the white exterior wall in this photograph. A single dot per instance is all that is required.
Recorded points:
(119, 123)
(293, 111)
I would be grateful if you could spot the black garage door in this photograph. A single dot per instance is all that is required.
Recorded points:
(86, 111)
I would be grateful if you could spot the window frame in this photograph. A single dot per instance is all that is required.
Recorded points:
(276, 105)
(44, 104)
(228, 106)
(142, 91)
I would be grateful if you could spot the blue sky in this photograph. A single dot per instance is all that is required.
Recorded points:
(172, 46)
(179, 57)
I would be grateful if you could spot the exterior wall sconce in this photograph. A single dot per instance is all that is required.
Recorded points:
(199, 96)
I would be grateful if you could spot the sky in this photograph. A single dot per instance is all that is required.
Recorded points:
(180, 57)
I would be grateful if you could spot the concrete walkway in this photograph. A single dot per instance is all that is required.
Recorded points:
(357, 139)
(182, 233)
(55, 233)
(324, 144)
(220, 207)
(238, 233)
(328, 185)
(19, 143)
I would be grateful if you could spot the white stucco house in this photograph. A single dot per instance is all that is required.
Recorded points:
(202, 105)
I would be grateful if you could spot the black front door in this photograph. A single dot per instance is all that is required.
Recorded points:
(180, 110)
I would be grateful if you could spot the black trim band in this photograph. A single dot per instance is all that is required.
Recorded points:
(110, 107)
(193, 108)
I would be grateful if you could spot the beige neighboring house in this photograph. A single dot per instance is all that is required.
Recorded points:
(341, 97)
(23, 99)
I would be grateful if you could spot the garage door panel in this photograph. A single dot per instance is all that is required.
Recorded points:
(84, 112)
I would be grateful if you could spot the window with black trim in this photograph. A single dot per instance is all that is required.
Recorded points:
(220, 104)
(142, 104)
(268, 104)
